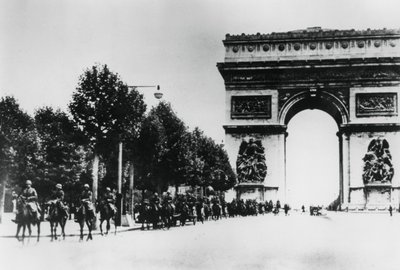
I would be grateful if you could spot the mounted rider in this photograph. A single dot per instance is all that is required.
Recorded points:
(86, 201)
(168, 200)
(109, 200)
(57, 198)
(155, 202)
(30, 197)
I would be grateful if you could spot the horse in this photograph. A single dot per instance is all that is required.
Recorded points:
(207, 211)
(167, 214)
(144, 215)
(200, 212)
(26, 218)
(107, 212)
(216, 211)
(85, 215)
(187, 212)
(232, 209)
(155, 215)
(57, 215)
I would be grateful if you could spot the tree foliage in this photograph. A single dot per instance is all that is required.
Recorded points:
(18, 142)
(168, 154)
(62, 155)
(105, 108)
(161, 149)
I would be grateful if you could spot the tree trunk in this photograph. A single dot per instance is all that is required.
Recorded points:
(131, 182)
(3, 182)
(95, 179)
(95, 176)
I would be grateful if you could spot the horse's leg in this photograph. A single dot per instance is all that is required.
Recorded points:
(62, 225)
(101, 226)
(51, 231)
(38, 231)
(108, 225)
(23, 232)
(81, 224)
(18, 229)
(29, 230)
(89, 225)
(55, 230)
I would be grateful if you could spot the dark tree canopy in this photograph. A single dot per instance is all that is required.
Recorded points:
(161, 149)
(168, 154)
(62, 155)
(18, 142)
(105, 108)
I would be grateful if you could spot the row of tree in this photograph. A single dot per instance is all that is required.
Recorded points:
(80, 146)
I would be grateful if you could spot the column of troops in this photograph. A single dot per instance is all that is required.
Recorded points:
(158, 212)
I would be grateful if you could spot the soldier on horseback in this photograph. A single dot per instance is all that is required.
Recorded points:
(155, 201)
(109, 199)
(29, 195)
(58, 199)
(86, 202)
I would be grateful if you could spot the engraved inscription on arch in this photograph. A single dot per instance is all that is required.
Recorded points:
(251, 107)
(376, 104)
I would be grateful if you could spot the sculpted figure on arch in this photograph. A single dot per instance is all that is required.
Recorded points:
(378, 165)
(250, 164)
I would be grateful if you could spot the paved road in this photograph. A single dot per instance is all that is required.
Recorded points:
(336, 241)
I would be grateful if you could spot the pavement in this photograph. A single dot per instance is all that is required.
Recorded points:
(335, 241)
(8, 228)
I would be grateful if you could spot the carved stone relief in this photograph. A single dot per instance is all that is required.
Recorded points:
(378, 165)
(376, 104)
(250, 164)
(251, 107)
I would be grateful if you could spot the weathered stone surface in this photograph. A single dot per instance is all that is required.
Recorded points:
(352, 75)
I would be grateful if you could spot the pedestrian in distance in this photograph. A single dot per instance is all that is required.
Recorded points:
(391, 210)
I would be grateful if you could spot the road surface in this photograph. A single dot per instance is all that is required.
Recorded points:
(299, 241)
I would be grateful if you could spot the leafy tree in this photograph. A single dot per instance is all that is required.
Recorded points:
(106, 111)
(62, 154)
(161, 149)
(18, 145)
(209, 164)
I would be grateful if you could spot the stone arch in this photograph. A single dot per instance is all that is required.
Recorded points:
(314, 99)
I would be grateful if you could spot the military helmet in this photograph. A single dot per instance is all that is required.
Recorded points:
(86, 185)
(108, 189)
(59, 186)
(28, 182)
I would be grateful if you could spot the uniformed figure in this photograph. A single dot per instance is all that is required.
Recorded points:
(86, 200)
(109, 198)
(155, 201)
(168, 197)
(58, 194)
(57, 198)
(29, 195)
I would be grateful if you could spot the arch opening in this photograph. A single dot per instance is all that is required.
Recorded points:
(321, 100)
(312, 159)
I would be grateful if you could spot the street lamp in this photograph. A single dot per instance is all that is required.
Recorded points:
(158, 95)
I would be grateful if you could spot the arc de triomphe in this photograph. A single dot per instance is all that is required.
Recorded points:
(352, 75)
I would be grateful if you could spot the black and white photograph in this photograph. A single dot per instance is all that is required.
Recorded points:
(199, 134)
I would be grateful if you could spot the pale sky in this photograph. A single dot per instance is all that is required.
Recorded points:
(46, 44)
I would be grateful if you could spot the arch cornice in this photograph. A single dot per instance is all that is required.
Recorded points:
(314, 99)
